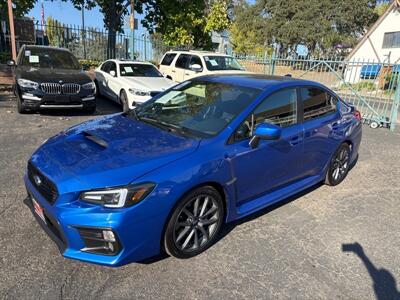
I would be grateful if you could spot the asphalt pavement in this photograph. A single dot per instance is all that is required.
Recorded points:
(331, 242)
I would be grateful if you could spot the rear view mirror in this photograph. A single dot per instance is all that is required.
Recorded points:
(11, 63)
(196, 68)
(265, 131)
(113, 74)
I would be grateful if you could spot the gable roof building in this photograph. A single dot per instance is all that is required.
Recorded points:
(381, 43)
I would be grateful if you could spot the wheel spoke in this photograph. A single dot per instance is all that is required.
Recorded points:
(183, 224)
(188, 213)
(336, 173)
(183, 233)
(203, 208)
(204, 232)
(186, 242)
(196, 206)
(196, 239)
(209, 222)
(210, 211)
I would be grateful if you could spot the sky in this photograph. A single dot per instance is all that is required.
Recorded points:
(67, 14)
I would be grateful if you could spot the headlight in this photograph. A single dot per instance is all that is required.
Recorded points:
(89, 86)
(139, 92)
(28, 84)
(119, 197)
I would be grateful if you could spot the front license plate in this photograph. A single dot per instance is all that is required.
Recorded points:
(38, 210)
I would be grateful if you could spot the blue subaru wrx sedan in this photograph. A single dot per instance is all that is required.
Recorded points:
(169, 174)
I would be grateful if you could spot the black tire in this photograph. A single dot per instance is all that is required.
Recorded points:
(191, 230)
(339, 165)
(20, 106)
(123, 98)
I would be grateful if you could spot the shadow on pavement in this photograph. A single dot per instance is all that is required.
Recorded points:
(383, 281)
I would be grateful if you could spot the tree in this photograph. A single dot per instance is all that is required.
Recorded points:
(318, 24)
(186, 23)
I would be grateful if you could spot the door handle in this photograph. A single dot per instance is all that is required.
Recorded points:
(335, 125)
(295, 140)
(173, 71)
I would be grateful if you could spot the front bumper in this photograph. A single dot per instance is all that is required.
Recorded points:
(36, 102)
(138, 237)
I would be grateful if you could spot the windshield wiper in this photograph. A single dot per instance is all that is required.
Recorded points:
(168, 126)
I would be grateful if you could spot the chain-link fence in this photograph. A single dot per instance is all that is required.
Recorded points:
(373, 86)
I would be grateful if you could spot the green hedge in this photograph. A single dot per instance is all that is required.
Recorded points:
(90, 63)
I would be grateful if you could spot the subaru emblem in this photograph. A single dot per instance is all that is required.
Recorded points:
(37, 180)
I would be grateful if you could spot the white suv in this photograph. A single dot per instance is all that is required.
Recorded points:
(183, 65)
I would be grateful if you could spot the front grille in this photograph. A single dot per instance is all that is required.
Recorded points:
(45, 187)
(56, 88)
(71, 88)
(51, 88)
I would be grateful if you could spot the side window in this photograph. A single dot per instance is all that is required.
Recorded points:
(113, 67)
(182, 61)
(105, 67)
(168, 58)
(317, 103)
(195, 60)
(279, 109)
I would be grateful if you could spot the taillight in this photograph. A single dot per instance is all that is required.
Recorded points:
(357, 115)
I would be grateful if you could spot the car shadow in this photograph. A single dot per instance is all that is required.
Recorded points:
(227, 228)
(384, 283)
(103, 107)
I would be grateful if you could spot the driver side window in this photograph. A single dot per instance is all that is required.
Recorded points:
(279, 109)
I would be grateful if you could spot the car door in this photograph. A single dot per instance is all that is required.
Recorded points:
(272, 164)
(101, 77)
(113, 82)
(322, 128)
(181, 64)
(189, 73)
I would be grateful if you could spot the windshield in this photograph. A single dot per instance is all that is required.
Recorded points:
(49, 58)
(139, 70)
(220, 63)
(202, 109)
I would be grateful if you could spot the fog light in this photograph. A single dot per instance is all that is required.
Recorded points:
(108, 236)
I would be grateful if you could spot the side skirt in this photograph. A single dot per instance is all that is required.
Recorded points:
(269, 199)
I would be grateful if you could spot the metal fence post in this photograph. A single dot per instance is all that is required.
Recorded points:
(395, 104)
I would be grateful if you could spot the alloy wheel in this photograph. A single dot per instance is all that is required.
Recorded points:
(197, 223)
(340, 164)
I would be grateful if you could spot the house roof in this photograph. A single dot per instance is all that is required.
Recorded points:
(395, 3)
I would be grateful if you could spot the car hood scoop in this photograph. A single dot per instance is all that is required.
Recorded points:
(110, 151)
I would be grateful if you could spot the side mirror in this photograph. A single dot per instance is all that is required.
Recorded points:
(11, 63)
(265, 131)
(196, 68)
(113, 74)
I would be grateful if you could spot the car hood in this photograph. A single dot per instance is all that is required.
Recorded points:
(106, 152)
(148, 83)
(41, 75)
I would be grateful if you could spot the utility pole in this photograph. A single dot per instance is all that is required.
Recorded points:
(132, 25)
(12, 32)
(83, 30)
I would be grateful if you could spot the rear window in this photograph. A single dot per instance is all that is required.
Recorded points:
(168, 58)
(317, 103)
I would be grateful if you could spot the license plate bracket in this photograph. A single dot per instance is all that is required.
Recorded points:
(38, 210)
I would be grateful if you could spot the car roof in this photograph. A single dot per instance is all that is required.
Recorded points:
(128, 61)
(258, 81)
(45, 47)
(198, 52)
